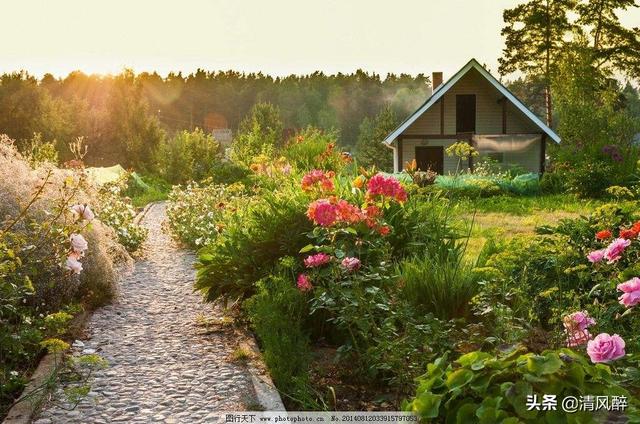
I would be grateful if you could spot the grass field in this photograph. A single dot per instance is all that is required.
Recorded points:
(507, 216)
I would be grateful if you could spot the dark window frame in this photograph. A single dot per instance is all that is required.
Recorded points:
(466, 110)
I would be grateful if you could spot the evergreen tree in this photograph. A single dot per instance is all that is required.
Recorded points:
(614, 46)
(370, 150)
(261, 132)
(534, 36)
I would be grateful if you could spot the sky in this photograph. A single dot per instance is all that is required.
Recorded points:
(277, 37)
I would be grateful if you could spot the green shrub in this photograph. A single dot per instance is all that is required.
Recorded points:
(188, 156)
(118, 213)
(486, 388)
(553, 182)
(277, 313)
(259, 133)
(590, 178)
(229, 173)
(251, 244)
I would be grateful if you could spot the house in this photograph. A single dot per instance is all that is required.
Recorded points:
(472, 106)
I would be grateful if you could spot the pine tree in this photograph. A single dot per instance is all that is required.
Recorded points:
(370, 150)
(614, 46)
(534, 37)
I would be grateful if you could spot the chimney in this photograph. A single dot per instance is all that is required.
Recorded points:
(436, 80)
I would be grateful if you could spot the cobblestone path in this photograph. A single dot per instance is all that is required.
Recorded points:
(162, 367)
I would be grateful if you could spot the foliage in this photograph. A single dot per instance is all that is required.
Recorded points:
(462, 150)
(472, 185)
(487, 388)
(196, 212)
(39, 152)
(370, 150)
(260, 133)
(118, 213)
(251, 243)
(596, 150)
(314, 148)
(277, 313)
(441, 284)
(188, 156)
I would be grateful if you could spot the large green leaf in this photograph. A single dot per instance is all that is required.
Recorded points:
(548, 363)
(459, 378)
(426, 405)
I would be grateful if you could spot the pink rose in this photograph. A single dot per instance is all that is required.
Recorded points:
(596, 256)
(73, 264)
(578, 321)
(83, 211)
(304, 284)
(613, 252)
(78, 243)
(605, 348)
(317, 260)
(631, 292)
(350, 264)
(577, 338)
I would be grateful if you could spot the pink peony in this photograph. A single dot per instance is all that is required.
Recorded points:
(578, 321)
(596, 256)
(614, 251)
(322, 212)
(319, 259)
(631, 292)
(73, 264)
(379, 185)
(304, 284)
(605, 348)
(351, 264)
(83, 211)
(78, 243)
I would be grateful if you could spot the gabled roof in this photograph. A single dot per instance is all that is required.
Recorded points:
(443, 88)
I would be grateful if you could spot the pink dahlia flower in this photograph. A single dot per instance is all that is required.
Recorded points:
(596, 256)
(351, 264)
(304, 284)
(605, 348)
(316, 260)
(631, 292)
(613, 252)
(78, 243)
(322, 212)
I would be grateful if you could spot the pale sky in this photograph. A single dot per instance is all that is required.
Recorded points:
(277, 37)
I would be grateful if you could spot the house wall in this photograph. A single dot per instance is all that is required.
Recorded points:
(488, 110)
(489, 115)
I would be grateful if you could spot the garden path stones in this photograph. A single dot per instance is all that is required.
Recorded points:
(162, 366)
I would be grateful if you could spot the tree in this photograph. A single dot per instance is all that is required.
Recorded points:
(261, 132)
(534, 36)
(370, 150)
(613, 45)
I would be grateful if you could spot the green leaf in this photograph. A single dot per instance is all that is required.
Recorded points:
(426, 405)
(466, 413)
(459, 378)
(307, 248)
(475, 360)
(544, 364)
(339, 253)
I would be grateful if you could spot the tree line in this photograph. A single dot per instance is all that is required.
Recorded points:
(124, 117)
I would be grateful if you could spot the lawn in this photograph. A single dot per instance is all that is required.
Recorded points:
(507, 216)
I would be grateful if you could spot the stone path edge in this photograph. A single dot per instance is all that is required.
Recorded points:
(27, 406)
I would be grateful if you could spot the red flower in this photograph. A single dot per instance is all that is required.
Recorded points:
(379, 185)
(603, 235)
(384, 230)
(628, 233)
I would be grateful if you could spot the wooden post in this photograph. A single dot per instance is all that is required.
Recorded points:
(543, 152)
(504, 115)
(400, 164)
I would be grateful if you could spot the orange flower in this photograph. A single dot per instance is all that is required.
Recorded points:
(603, 235)
(358, 182)
(636, 227)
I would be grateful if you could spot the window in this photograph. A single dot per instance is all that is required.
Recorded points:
(465, 113)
